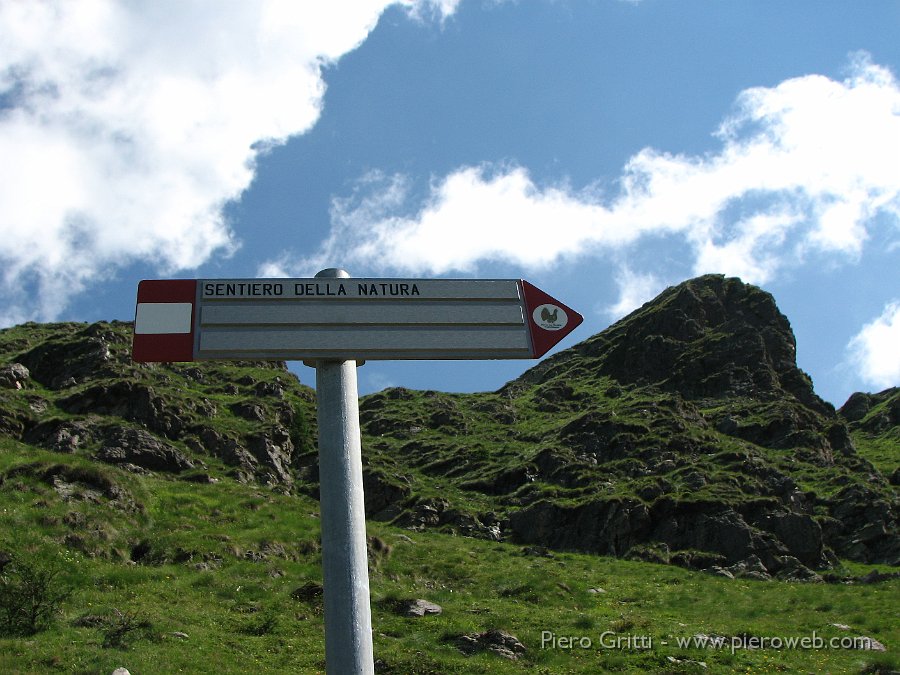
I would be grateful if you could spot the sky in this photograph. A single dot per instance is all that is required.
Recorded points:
(601, 149)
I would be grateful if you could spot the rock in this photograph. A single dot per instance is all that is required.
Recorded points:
(384, 493)
(721, 572)
(793, 570)
(249, 411)
(800, 533)
(502, 483)
(14, 376)
(130, 401)
(273, 450)
(311, 591)
(873, 413)
(200, 478)
(426, 513)
(447, 416)
(470, 525)
(273, 389)
(864, 526)
(655, 553)
(12, 422)
(607, 527)
(86, 483)
(413, 608)
(38, 405)
(751, 568)
(875, 577)
(82, 356)
(233, 454)
(497, 641)
(124, 445)
(856, 407)
(60, 435)
(121, 671)
(676, 343)
(698, 560)
(538, 551)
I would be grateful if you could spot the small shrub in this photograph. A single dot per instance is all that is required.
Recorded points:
(31, 595)
(124, 627)
(265, 624)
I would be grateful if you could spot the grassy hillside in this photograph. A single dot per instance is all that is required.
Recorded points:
(221, 579)
(165, 515)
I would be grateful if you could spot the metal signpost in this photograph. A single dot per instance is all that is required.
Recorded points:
(335, 322)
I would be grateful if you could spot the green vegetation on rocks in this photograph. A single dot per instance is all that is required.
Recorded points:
(171, 507)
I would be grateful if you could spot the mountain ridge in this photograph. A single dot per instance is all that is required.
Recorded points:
(684, 433)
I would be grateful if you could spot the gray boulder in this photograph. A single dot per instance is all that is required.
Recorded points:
(14, 376)
(123, 446)
(419, 607)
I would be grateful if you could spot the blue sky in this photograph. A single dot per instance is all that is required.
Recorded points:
(603, 150)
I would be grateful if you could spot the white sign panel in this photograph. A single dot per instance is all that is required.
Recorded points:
(346, 318)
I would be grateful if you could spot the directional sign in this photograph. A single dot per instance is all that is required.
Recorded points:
(346, 319)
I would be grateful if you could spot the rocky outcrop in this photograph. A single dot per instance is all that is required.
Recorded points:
(709, 337)
(874, 413)
(14, 376)
(65, 361)
(616, 526)
(496, 641)
(136, 447)
(273, 451)
(131, 401)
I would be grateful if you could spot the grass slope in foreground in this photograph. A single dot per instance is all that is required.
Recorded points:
(226, 582)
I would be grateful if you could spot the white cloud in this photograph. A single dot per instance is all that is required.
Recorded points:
(634, 291)
(125, 127)
(875, 350)
(806, 165)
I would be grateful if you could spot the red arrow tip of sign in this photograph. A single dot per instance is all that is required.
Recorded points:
(549, 320)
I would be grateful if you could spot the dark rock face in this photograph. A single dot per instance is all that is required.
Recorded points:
(58, 364)
(863, 526)
(873, 413)
(130, 401)
(616, 527)
(60, 435)
(383, 494)
(135, 446)
(609, 527)
(14, 376)
(273, 451)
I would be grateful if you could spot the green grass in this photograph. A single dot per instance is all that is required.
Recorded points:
(241, 550)
(883, 452)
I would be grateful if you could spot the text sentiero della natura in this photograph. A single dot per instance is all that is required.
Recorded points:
(264, 289)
